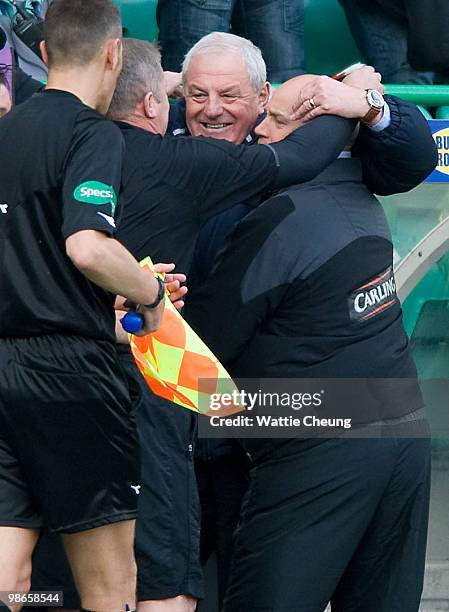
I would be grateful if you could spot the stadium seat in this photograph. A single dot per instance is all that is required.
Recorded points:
(411, 217)
(329, 45)
(442, 112)
(139, 18)
(425, 112)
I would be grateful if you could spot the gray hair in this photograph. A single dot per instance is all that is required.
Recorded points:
(141, 73)
(222, 42)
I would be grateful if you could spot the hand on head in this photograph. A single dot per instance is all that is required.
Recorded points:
(323, 95)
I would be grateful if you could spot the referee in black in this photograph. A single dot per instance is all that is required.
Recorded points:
(68, 448)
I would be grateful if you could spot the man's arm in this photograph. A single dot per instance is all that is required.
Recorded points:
(399, 157)
(395, 159)
(309, 150)
(106, 262)
(215, 174)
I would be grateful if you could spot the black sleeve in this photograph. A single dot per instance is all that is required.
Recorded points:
(217, 174)
(310, 149)
(92, 177)
(401, 156)
(24, 86)
(214, 175)
(245, 287)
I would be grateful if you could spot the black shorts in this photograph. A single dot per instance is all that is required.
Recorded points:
(68, 446)
(343, 520)
(168, 522)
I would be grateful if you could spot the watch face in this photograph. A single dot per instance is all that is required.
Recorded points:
(375, 99)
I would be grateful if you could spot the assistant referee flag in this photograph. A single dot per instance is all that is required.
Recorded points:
(178, 366)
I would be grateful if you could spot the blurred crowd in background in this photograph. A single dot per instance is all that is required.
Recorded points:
(407, 41)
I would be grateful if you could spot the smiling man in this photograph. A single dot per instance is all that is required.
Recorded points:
(171, 187)
(224, 98)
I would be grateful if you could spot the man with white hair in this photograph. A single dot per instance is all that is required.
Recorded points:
(227, 73)
(226, 95)
(171, 187)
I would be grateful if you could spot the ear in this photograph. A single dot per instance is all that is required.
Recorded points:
(114, 52)
(264, 97)
(148, 105)
(43, 48)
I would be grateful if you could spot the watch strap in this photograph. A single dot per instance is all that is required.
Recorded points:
(374, 110)
(160, 294)
(371, 114)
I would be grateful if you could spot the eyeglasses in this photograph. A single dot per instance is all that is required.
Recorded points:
(4, 68)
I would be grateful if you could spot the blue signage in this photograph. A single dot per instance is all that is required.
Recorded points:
(440, 133)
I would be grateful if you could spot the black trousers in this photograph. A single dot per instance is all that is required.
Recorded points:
(342, 520)
(222, 483)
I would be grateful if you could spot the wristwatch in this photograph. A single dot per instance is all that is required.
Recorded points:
(376, 102)
(160, 294)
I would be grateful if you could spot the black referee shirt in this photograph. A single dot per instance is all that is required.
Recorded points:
(60, 172)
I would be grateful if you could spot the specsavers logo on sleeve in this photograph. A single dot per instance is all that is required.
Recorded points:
(94, 192)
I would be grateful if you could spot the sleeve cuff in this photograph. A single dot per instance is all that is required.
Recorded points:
(68, 230)
(384, 123)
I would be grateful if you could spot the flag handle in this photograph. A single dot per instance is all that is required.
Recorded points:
(132, 322)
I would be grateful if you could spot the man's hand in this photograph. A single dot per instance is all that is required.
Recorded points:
(173, 84)
(151, 318)
(325, 96)
(173, 284)
(365, 78)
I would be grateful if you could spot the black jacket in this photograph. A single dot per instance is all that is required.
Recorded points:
(304, 289)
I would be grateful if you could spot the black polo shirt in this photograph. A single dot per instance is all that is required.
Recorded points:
(60, 172)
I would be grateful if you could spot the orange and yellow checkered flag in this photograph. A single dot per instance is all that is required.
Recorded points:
(178, 366)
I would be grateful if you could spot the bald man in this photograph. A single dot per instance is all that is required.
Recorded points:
(304, 289)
